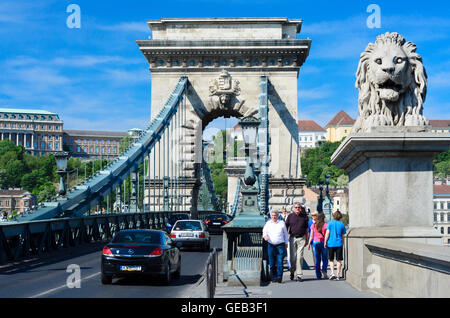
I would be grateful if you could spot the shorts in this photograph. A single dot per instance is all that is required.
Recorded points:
(335, 251)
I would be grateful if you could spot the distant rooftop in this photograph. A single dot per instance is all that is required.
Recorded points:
(95, 133)
(309, 125)
(441, 189)
(26, 111)
(439, 123)
(341, 119)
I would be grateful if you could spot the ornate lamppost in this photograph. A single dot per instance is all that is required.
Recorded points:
(250, 191)
(61, 164)
(327, 204)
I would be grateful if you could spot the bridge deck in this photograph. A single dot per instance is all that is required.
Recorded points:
(309, 288)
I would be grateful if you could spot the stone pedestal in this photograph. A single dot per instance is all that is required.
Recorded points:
(390, 190)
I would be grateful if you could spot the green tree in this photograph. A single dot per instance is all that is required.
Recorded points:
(46, 192)
(125, 142)
(441, 165)
(316, 164)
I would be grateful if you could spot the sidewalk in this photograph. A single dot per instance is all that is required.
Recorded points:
(310, 287)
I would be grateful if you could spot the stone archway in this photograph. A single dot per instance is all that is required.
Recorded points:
(224, 59)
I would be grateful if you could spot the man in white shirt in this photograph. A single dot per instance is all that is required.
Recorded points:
(275, 233)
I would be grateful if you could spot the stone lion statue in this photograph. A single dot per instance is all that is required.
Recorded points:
(392, 84)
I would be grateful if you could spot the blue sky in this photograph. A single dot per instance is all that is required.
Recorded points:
(96, 78)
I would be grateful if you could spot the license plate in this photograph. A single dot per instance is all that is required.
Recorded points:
(187, 234)
(130, 268)
(216, 223)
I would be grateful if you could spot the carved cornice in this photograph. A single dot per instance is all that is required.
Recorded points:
(245, 55)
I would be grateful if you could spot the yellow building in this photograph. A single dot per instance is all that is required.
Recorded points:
(339, 127)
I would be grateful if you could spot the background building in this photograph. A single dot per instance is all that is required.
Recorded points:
(18, 200)
(441, 208)
(38, 131)
(92, 144)
(440, 126)
(310, 134)
(339, 127)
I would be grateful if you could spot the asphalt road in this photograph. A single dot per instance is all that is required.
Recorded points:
(49, 278)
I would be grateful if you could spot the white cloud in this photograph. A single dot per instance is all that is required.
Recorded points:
(319, 92)
(439, 80)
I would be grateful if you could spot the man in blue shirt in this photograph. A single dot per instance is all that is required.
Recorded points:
(334, 242)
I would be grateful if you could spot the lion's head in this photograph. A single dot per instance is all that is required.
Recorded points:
(392, 84)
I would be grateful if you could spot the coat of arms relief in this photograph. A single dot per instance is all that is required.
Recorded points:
(222, 90)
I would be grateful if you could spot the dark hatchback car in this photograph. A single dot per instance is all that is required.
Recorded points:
(174, 218)
(215, 222)
(141, 252)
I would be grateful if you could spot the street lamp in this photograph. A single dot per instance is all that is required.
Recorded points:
(249, 126)
(61, 165)
(250, 192)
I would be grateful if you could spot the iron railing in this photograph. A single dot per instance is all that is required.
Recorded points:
(22, 240)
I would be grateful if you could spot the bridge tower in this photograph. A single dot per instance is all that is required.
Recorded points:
(224, 59)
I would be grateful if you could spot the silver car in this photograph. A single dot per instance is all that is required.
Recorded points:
(191, 233)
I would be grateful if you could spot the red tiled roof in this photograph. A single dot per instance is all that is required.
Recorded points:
(309, 125)
(439, 123)
(341, 119)
(237, 127)
(442, 189)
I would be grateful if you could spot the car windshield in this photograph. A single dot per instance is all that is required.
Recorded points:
(188, 226)
(138, 237)
(176, 217)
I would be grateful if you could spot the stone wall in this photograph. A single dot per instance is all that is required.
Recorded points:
(399, 268)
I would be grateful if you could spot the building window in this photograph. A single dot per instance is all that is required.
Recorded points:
(57, 146)
(442, 230)
(42, 145)
(90, 150)
(435, 205)
(442, 205)
(78, 149)
(442, 217)
(96, 149)
(448, 230)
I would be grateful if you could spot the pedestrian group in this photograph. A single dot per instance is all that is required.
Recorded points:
(290, 233)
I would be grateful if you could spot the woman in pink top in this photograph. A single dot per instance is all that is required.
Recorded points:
(318, 231)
